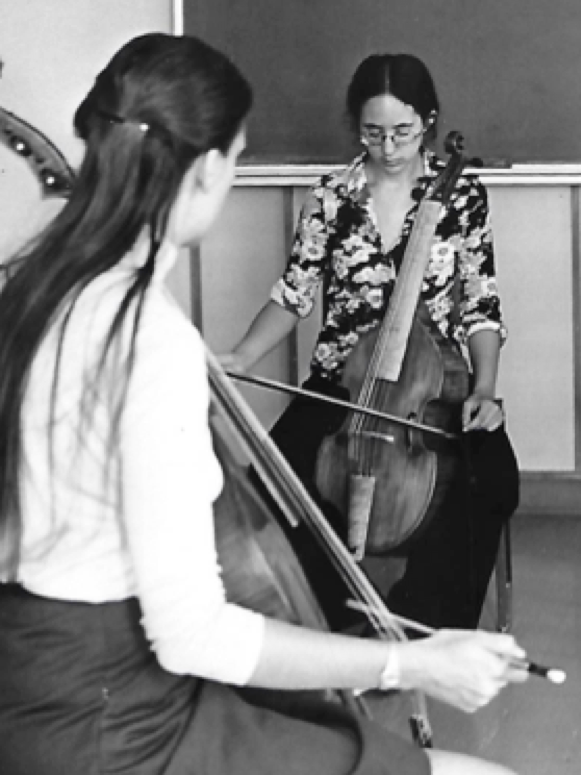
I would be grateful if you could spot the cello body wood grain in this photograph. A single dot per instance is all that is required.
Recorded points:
(411, 469)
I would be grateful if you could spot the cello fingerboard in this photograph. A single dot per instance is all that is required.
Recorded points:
(395, 329)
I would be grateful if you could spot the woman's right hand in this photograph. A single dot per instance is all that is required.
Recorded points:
(272, 324)
(463, 668)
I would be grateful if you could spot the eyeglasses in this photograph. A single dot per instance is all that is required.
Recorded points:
(401, 135)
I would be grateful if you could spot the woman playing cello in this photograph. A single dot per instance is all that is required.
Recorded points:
(119, 650)
(352, 235)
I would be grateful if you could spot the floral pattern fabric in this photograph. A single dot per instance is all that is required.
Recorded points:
(338, 241)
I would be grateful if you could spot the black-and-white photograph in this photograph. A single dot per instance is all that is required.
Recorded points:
(290, 387)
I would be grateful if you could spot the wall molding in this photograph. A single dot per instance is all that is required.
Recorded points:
(307, 174)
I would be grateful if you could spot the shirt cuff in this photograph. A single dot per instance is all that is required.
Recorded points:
(290, 299)
(487, 325)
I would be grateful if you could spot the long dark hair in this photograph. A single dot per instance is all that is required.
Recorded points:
(403, 76)
(160, 103)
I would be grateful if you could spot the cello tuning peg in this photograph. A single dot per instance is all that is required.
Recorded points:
(419, 190)
(454, 142)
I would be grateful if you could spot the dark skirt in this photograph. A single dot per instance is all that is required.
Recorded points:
(82, 693)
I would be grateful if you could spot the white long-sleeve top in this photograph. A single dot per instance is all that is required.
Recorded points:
(104, 527)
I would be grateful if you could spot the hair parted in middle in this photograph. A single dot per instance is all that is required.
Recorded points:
(402, 76)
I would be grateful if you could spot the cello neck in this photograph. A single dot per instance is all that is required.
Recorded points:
(395, 328)
(396, 325)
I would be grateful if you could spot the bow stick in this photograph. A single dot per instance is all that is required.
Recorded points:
(283, 387)
(553, 674)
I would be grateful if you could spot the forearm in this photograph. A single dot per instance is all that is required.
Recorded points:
(299, 658)
(272, 324)
(484, 348)
(465, 669)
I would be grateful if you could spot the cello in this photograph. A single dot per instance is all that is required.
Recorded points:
(296, 505)
(385, 475)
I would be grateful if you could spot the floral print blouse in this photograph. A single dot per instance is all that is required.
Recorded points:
(338, 242)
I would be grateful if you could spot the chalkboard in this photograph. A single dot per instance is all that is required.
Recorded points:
(508, 72)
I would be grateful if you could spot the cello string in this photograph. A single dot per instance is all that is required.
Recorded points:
(370, 379)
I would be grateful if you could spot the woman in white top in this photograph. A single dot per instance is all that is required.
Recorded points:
(118, 649)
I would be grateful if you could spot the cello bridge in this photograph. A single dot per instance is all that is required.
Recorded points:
(387, 438)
